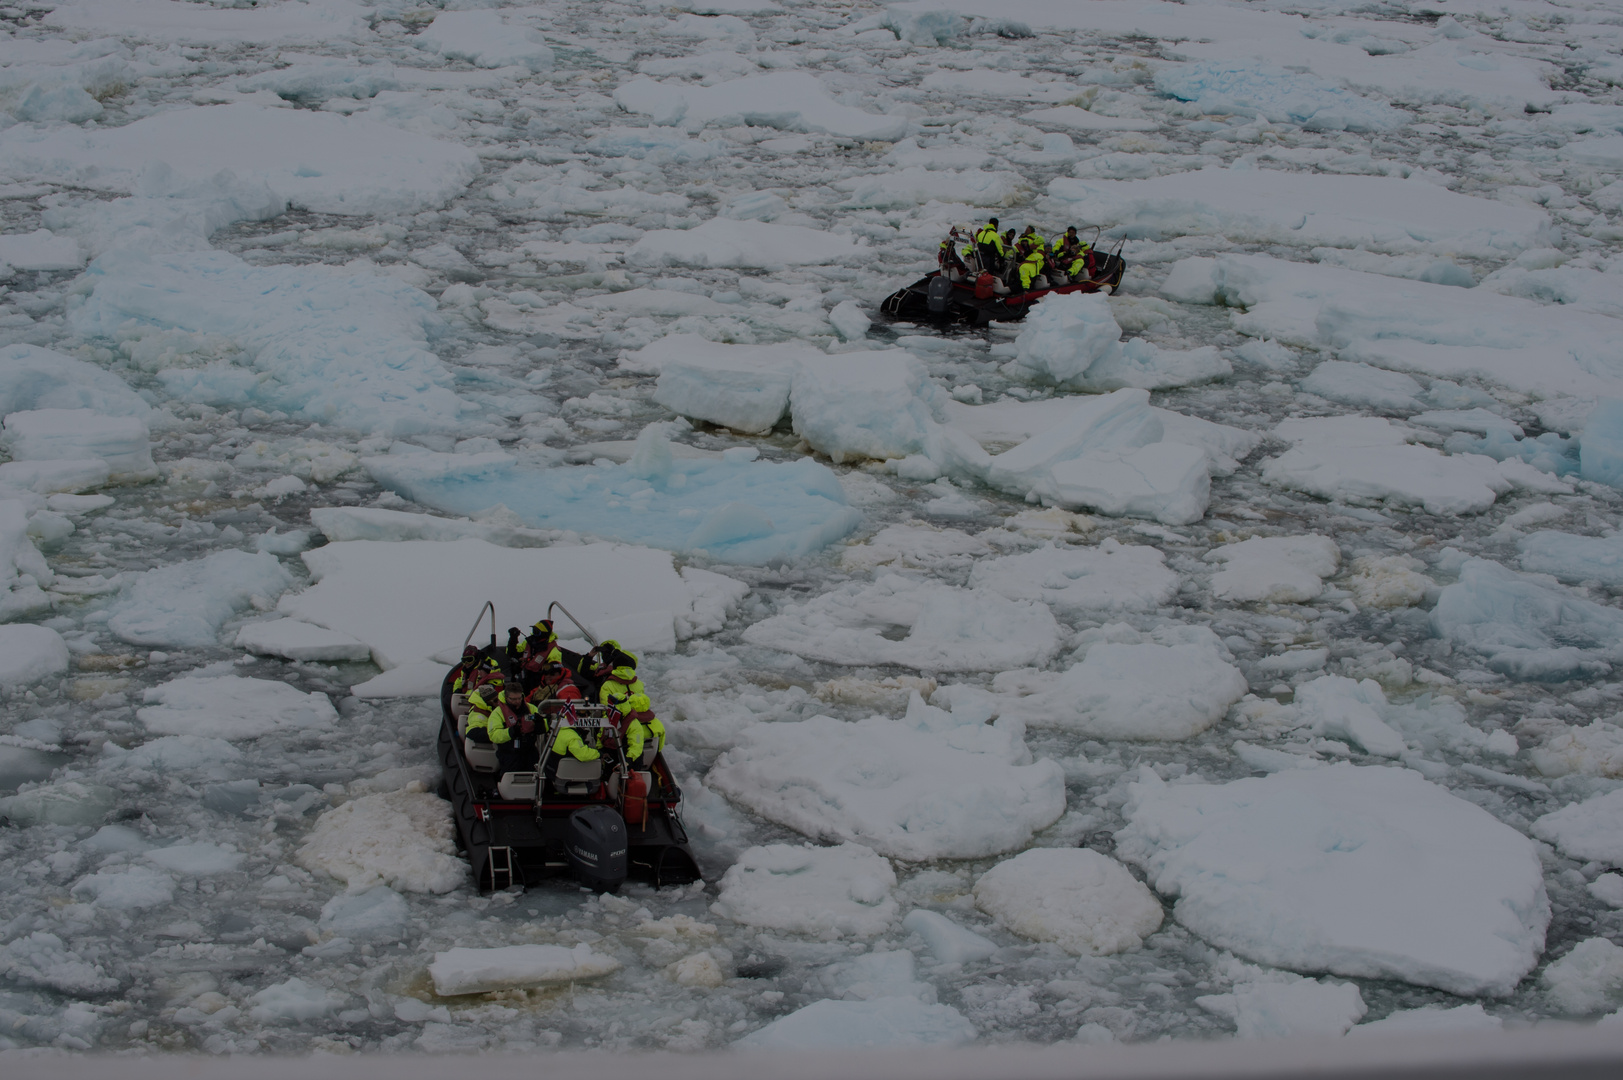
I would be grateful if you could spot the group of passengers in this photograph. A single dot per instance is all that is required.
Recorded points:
(1020, 263)
(510, 712)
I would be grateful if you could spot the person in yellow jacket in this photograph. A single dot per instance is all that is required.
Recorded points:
(542, 644)
(989, 246)
(1033, 237)
(616, 672)
(501, 719)
(1031, 269)
(472, 670)
(641, 727)
(570, 742)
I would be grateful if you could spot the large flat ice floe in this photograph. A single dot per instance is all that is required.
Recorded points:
(1247, 88)
(413, 601)
(1170, 684)
(1274, 569)
(1527, 625)
(343, 165)
(321, 344)
(1086, 903)
(948, 629)
(742, 387)
(1368, 460)
(1306, 209)
(229, 707)
(1368, 872)
(1109, 453)
(1414, 326)
(734, 510)
(826, 892)
(904, 792)
(479, 971)
(1074, 579)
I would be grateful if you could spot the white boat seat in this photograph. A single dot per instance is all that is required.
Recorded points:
(649, 750)
(517, 786)
(481, 756)
(579, 772)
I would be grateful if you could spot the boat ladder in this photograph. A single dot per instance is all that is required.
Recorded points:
(501, 866)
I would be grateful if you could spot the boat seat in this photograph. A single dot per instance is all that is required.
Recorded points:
(649, 751)
(481, 756)
(517, 786)
(575, 777)
(459, 710)
(577, 771)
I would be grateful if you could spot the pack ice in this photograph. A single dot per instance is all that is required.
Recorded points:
(1363, 871)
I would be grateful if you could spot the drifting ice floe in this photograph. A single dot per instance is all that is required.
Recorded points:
(1308, 209)
(1526, 625)
(822, 891)
(633, 595)
(948, 629)
(29, 654)
(1274, 569)
(904, 792)
(1085, 902)
(1171, 684)
(1355, 871)
(1288, 1008)
(1075, 579)
(229, 707)
(478, 971)
(397, 838)
(738, 509)
(185, 603)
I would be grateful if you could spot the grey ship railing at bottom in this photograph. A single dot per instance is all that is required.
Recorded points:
(1548, 1052)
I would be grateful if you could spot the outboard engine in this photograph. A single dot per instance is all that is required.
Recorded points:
(939, 292)
(595, 843)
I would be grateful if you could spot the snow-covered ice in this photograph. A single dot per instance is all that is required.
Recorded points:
(906, 792)
(1274, 569)
(1307, 209)
(1588, 830)
(826, 892)
(186, 603)
(1172, 683)
(478, 971)
(230, 707)
(1300, 1007)
(1364, 871)
(1085, 902)
(1074, 579)
(398, 838)
(30, 653)
(1526, 624)
(947, 628)
(633, 595)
